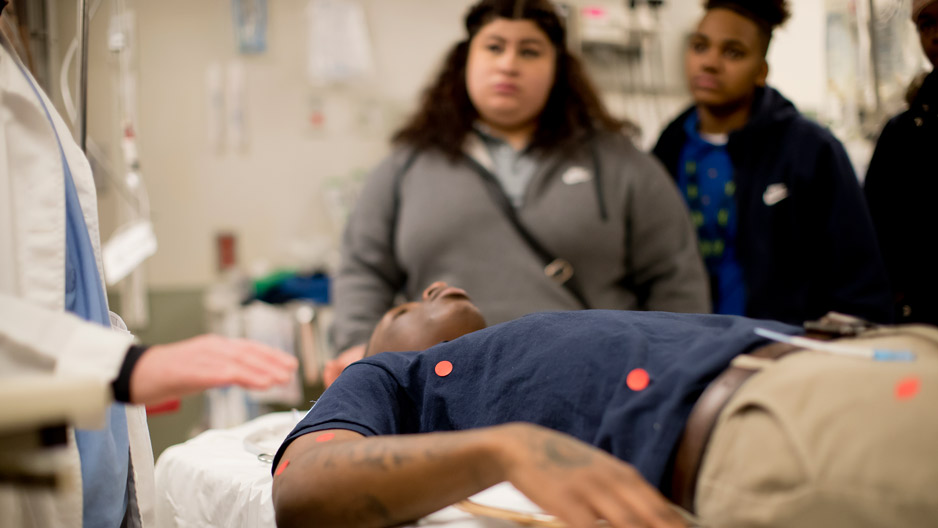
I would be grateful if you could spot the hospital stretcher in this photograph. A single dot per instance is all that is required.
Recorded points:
(222, 478)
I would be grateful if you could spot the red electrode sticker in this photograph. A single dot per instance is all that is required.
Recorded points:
(908, 388)
(443, 369)
(325, 437)
(638, 380)
(170, 406)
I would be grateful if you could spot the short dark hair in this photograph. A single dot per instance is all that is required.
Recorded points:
(446, 114)
(767, 14)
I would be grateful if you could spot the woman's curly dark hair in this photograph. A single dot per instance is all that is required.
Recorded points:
(446, 114)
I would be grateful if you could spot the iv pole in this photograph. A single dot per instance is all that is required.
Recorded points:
(871, 28)
(83, 75)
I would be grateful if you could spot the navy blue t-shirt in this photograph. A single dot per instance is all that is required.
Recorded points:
(564, 370)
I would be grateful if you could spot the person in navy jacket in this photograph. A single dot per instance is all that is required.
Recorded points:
(781, 219)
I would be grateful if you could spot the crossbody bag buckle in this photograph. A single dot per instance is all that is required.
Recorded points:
(559, 270)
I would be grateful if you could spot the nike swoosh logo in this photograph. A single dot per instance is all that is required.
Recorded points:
(775, 193)
(575, 175)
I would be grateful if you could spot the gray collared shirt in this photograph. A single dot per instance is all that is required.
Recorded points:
(513, 168)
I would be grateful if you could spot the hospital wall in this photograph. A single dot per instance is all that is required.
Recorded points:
(277, 192)
(280, 191)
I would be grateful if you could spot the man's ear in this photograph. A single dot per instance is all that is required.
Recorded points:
(763, 73)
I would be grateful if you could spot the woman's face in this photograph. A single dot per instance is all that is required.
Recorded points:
(510, 72)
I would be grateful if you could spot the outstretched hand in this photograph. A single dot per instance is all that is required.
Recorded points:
(171, 371)
(579, 483)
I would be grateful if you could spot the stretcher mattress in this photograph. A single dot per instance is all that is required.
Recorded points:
(220, 478)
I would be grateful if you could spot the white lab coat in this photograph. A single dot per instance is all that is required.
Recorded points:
(37, 337)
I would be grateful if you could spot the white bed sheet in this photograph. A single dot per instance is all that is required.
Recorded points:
(216, 479)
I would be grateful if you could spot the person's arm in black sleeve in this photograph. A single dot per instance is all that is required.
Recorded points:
(855, 279)
(883, 180)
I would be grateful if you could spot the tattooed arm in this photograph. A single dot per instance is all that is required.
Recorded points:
(350, 480)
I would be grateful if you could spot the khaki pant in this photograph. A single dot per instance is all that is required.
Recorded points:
(817, 440)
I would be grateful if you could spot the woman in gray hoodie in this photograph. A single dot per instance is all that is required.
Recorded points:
(513, 181)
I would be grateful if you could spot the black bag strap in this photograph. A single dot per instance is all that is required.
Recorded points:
(396, 189)
(598, 183)
(555, 268)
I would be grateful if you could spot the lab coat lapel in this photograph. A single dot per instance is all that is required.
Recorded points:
(35, 187)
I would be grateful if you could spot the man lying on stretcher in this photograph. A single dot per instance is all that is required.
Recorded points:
(589, 414)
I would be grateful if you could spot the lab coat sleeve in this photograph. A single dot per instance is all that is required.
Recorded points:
(33, 338)
(370, 274)
(667, 272)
